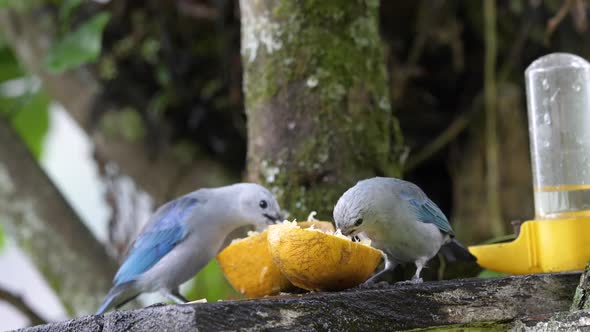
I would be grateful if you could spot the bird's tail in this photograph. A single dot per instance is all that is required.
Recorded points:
(455, 251)
(118, 296)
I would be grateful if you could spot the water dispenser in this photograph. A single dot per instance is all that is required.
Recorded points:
(558, 239)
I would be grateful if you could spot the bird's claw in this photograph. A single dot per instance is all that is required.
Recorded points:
(373, 284)
(416, 280)
(412, 281)
(370, 282)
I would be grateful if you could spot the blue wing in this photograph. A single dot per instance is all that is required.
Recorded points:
(162, 233)
(426, 210)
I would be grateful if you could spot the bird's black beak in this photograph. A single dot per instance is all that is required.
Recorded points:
(273, 219)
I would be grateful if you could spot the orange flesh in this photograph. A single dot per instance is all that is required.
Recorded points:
(318, 261)
(250, 269)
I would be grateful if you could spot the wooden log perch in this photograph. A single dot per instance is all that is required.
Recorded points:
(562, 321)
(494, 303)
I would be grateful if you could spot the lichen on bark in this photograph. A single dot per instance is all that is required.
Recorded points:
(319, 115)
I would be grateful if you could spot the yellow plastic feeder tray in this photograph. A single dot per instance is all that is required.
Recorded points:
(542, 246)
(558, 98)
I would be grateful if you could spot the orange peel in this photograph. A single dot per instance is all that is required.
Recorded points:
(248, 265)
(318, 261)
(249, 268)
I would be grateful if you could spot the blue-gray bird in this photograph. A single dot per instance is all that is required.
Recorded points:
(184, 235)
(400, 220)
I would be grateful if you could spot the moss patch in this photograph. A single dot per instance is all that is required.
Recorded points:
(320, 64)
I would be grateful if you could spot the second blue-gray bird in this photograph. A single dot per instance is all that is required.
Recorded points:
(184, 235)
(400, 220)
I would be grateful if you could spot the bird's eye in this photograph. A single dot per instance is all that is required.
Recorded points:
(263, 204)
(358, 222)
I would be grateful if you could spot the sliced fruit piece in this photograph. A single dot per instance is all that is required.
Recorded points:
(249, 267)
(314, 260)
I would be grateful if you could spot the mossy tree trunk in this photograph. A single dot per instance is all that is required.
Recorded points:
(317, 100)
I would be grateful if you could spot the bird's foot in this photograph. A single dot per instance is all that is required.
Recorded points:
(416, 280)
(412, 281)
(371, 281)
(174, 296)
(373, 284)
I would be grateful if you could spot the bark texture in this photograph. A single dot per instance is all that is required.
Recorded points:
(581, 298)
(39, 219)
(491, 303)
(562, 321)
(317, 100)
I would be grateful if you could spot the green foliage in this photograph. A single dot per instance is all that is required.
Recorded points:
(78, 47)
(26, 107)
(66, 9)
(9, 67)
(20, 5)
(31, 119)
(211, 284)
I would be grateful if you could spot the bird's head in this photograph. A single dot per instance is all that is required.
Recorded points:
(352, 213)
(258, 206)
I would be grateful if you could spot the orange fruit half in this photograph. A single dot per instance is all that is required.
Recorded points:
(315, 260)
(248, 265)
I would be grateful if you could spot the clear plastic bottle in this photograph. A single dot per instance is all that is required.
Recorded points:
(558, 98)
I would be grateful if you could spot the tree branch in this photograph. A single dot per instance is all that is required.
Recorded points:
(36, 215)
(30, 34)
(18, 302)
